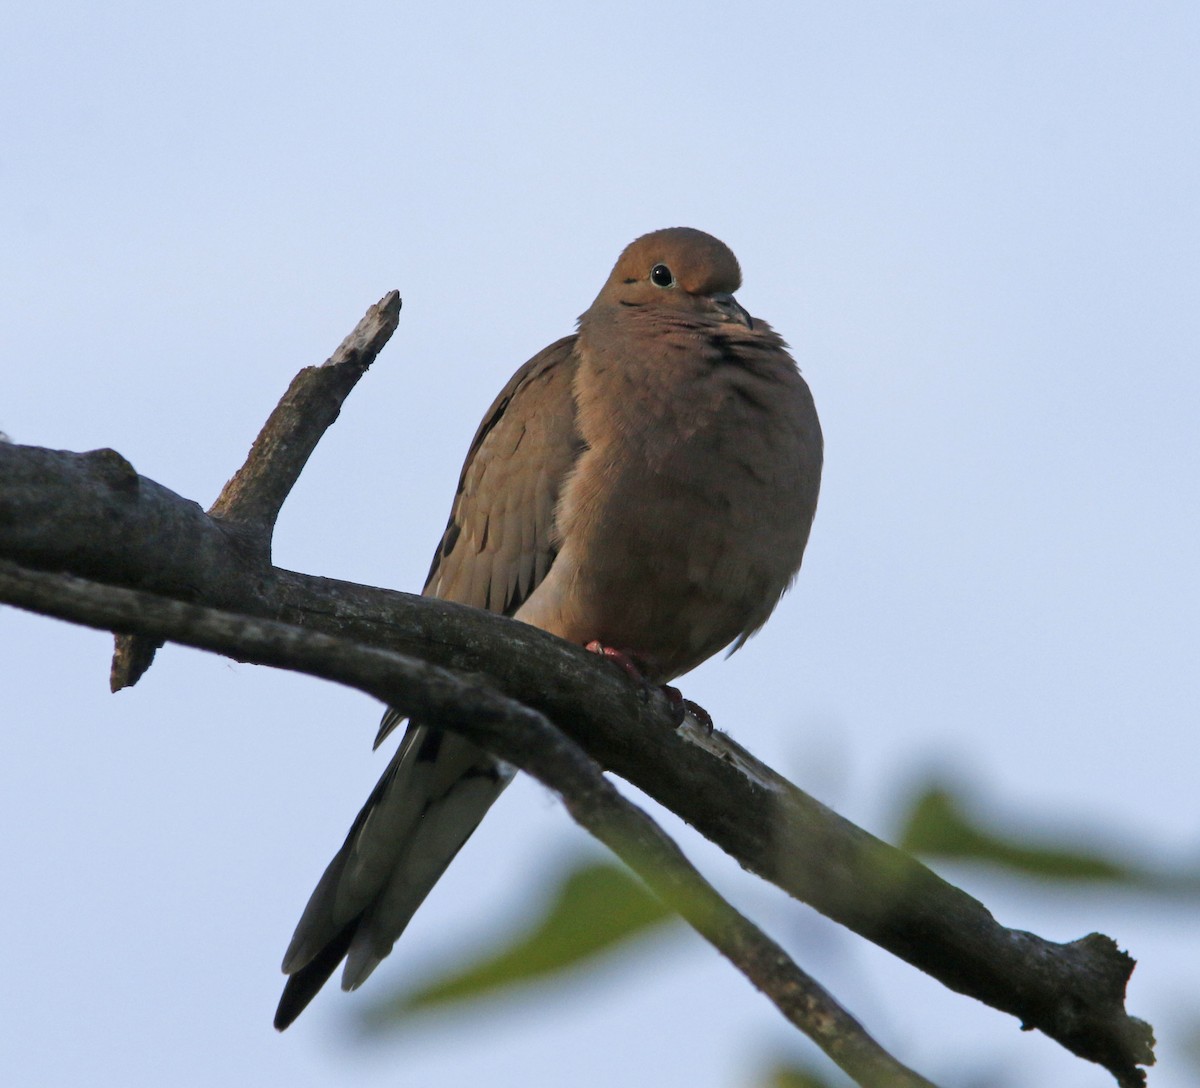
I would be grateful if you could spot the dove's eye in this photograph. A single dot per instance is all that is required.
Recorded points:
(660, 276)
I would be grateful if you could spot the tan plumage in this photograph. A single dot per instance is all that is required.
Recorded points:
(648, 483)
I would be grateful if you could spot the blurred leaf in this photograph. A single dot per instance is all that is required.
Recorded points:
(939, 824)
(788, 1074)
(793, 1076)
(594, 908)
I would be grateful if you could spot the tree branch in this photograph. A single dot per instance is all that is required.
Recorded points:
(515, 733)
(92, 515)
(250, 502)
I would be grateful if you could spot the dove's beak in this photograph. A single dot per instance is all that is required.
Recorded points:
(732, 309)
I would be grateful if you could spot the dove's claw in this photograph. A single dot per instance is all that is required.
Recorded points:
(702, 716)
(680, 707)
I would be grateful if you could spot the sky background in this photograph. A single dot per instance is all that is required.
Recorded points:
(978, 227)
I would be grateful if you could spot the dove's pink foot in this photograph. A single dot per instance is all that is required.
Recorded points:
(627, 661)
(680, 706)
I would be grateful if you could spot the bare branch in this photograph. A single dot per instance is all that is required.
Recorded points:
(250, 502)
(256, 492)
(92, 515)
(513, 732)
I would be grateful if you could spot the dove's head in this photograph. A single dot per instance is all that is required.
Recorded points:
(677, 269)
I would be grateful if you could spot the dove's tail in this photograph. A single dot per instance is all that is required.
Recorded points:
(431, 797)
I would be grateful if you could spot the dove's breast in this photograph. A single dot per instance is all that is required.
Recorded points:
(686, 515)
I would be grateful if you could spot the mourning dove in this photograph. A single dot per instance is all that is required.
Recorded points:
(646, 485)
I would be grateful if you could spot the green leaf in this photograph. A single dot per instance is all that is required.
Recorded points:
(939, 824)
(593, 909)
(793, 1076)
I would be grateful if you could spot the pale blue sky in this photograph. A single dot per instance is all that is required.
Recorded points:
(978, 227)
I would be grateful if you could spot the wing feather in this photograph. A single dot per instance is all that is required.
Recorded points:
(498, 546)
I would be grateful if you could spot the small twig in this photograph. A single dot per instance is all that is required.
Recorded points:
(515, 733)
(250, 502)
(255, 493)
